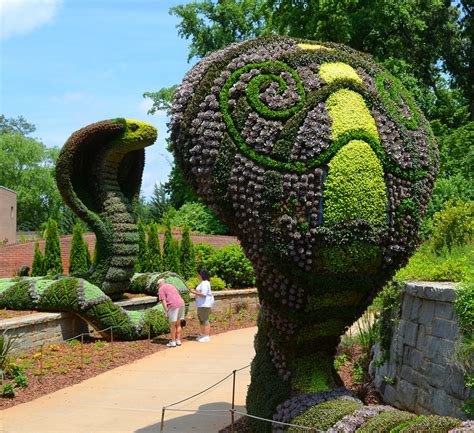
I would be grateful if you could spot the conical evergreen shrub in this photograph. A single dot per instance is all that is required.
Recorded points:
(52, 250)
(37, 265)
(79, 259)
(188, 260)
(170, 252)
(154, 263)
(141, 263)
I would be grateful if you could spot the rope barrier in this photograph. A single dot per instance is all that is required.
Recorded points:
(205, 390)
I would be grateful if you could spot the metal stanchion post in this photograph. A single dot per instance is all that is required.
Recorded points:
(162, 425)
(112, 343)
(82, 351)
(41, 359)
(232, 415)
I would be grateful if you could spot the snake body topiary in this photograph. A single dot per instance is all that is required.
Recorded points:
(98, 173)
(321, 163)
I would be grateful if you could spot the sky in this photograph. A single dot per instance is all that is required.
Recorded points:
(67, 63)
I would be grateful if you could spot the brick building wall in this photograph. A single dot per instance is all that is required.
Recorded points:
(13, 257)
(7, 216)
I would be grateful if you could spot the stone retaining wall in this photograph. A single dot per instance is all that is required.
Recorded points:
(422, 374)
(35, 329)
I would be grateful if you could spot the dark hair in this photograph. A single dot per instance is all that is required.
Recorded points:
(203, 273)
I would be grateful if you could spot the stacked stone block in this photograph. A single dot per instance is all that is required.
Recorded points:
(423, 374)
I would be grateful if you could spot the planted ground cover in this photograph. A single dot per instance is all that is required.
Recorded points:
(63, 365)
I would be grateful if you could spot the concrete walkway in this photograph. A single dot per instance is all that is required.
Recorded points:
(129, 399)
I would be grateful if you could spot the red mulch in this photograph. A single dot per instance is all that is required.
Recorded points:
(62, 365)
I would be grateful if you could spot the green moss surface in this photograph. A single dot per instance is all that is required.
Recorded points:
(325, 415)
(386, 421)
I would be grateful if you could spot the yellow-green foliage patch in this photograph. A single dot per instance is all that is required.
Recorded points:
(325, 415)
(314, 47)
(355, 188)
(349, 113)
(333, 71)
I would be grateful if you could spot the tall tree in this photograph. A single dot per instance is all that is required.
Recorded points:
(170, 252)
(159, 202)
(432, 36)
(188, 259)
(79, 258)
(16, 126)
(154, 263)
(27, 167)
(52, 250)
(212, 25)
(37, 265)
(141, 264)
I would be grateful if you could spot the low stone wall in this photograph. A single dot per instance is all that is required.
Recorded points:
(35, 329)
(422, 374)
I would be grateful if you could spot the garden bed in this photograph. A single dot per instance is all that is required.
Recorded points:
(62, 365)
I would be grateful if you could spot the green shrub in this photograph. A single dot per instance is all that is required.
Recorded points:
(325, 415)
(424, 265)
(170, 252)
(217, 283)
(199, 218)
(20, 380)
(79, 258)
(230, 264)
(141, 263)
(153, 260)
(52, 250)
(386, 421)
(188, 260)
(37, 265)
(8, 391)
(192, 283)
(453, 226)
(455, 188)
(203, 253)
(340, 361)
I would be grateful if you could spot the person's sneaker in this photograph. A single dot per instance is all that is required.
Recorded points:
(204, 339)
(172, 344)
(178, 342)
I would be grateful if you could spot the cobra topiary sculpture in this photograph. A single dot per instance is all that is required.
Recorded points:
(99, 174)
(321, 163)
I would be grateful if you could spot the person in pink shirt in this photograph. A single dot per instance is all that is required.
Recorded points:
(173, 304)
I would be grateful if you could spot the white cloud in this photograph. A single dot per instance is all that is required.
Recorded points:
(23, 16)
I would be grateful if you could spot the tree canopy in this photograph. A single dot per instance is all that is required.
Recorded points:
(27, 167)
(427, 44)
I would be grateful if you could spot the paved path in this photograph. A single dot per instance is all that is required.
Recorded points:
(129, 399)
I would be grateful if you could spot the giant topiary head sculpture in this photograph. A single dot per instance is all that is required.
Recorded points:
(322, 165)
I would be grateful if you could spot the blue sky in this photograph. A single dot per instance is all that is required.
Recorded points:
(67, 63)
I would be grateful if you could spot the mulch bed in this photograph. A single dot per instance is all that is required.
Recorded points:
(8, 314)
(62, 365)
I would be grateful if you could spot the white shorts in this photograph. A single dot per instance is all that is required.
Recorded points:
(175, 314)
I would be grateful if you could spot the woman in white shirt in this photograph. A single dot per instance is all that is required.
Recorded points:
(204, 302)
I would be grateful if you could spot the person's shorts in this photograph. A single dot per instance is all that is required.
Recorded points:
(175, 314)
(203, 315)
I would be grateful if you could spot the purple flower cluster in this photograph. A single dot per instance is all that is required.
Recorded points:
(350, 423)
(314, 135)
